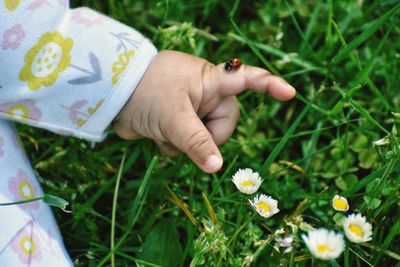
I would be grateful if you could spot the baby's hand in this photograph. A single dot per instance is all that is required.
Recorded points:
(187, 104)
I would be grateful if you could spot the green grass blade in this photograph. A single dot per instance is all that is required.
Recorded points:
(281, 54)
(301, 33)
(328, 36)
(114, 209)
(364, 182)
(249, 42)
(129, 163)
(361, 257)
(365, 35)
(278, 148)
(138, 203)
(136, 208)
(311, 26)
(363, 75)
(395, 230)
(360, 109)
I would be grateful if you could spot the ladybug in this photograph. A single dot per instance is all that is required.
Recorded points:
(232, 64)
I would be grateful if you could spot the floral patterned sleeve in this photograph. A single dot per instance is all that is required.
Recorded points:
(67, 70)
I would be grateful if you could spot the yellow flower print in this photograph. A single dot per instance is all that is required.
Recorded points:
(21, 110)
(80, 122)
(91, 111)
(11, 5)
(46, 60)
(120, 65)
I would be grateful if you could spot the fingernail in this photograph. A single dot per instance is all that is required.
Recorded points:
(293, 93)
(213, 163)
(294, 90)
(289, 85)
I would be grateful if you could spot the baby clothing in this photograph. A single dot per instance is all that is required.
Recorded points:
(66, 70)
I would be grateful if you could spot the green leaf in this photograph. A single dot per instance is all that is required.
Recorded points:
(339, 219)
(56, 202)
(372, 202)
(347, 181)
(359, 143)
(341, 183)
(161, 245)
(368, 158)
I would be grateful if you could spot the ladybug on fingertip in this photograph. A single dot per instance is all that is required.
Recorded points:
(232, 64)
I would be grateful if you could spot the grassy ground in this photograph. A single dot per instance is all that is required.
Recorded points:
(342, 55)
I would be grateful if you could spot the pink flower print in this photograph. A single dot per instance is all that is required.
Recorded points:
(22, 188)
(63, 2)
(87, 17)
(38, 4)
(27, 246)
(1, 146)
(21, 110)
(12, 37)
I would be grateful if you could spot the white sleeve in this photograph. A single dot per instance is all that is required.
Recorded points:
(67, 70)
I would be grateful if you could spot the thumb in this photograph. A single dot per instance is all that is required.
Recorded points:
(187, 132)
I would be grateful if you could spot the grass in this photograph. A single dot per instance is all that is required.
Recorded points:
(131, 206)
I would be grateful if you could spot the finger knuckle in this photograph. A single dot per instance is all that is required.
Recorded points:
(197, 141)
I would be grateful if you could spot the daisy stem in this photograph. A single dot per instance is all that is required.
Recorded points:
(240, 214)
(292, 257)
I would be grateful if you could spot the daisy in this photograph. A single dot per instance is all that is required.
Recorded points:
(340, 203)
(324, 244)
(247, 181)
(265, 205)
(357, 229)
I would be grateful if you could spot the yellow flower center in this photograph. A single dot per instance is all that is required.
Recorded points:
(340, 204)
(18, 112)
(47, 60)
(25, 190)
(11, 5)
(356, 230)
(323, 248)
(263, 206)
(27, 245)
(247, 183)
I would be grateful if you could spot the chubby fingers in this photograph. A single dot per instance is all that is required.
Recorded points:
(229, 83)
(221, 122)
(186, 131)
(124, 130)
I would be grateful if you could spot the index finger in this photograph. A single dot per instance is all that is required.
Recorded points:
(259, 80)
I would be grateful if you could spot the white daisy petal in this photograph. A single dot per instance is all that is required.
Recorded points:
(265, 205)
(357, 229)
(340, 203)
(247, 181)
(324, 244)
